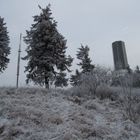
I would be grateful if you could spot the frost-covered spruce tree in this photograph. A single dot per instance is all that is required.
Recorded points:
(85, 65)
(4, 45)
(85, 61)
(75, 79)
(46, 50)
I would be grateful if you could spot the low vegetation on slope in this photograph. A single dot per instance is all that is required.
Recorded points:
(38, 114)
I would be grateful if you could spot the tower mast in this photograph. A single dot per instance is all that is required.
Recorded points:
(18, 62)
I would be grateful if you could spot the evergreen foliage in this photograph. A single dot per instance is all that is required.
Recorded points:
(85, 65)
(75, 79)
(85, 61)
(4, 45)
(46, 50)
(61, 80)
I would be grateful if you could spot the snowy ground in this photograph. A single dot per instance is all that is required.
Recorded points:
(36, 114)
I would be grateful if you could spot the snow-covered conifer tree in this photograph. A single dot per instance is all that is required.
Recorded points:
(4, 45)
(46, 50)
(75, 79)
(85, 61)
(85, 65)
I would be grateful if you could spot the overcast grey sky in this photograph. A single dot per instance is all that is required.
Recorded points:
(96, 23)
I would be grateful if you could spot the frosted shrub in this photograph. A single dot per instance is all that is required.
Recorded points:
(90, 81)
(80, 91)
(129, 100)
(106, 92)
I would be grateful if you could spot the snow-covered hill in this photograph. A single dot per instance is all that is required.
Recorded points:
(37, 114)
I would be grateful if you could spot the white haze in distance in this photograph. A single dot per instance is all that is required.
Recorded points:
(96, 23)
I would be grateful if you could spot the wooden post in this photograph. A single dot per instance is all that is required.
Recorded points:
(18, 62)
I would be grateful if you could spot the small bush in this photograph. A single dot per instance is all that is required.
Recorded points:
(129, 100)
(131, 107)
(80, 91)
(90, 81)
(106, 92)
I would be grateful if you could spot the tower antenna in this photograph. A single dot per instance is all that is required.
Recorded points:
(18, 62)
